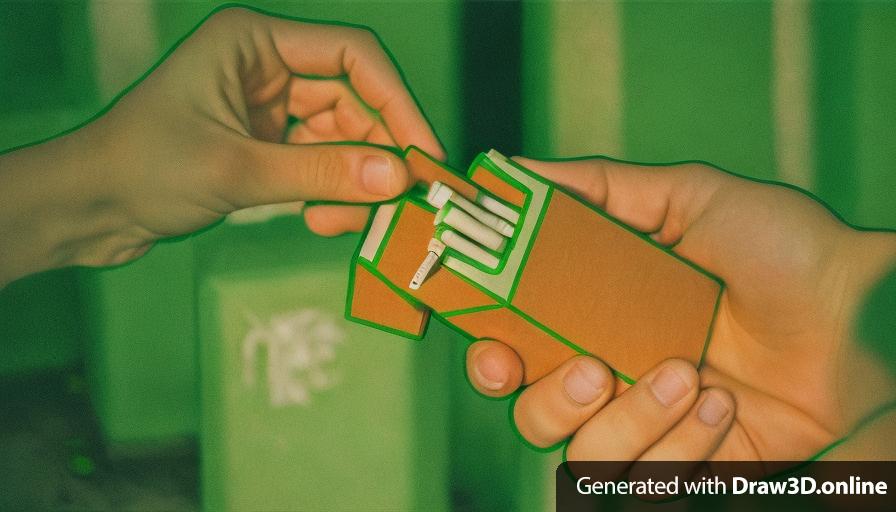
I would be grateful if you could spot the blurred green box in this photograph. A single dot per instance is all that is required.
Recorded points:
(301, 409)
(46, 58)
(39, 323)
(141, 327)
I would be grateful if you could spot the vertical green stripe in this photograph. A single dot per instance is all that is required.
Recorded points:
(835, 26)
(537, 86)
(792, 86)
(696, 79)
(875, 150)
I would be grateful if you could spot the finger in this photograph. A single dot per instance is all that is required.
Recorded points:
(627, 426)
(303, 133)
(310, 98)
(690, 443)
(331, 50)
(333, 220)
(321, 128)
(699, 433)
(380, 135)
(279, 173)
(493, 368)
(663, 200)
(555, 406)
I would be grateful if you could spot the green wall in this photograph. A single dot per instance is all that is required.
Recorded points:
(697, 81)
(696, 84)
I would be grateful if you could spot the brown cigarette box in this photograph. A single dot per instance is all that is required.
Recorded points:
(571, 279)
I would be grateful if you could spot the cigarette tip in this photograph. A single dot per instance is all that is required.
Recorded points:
(438, 194)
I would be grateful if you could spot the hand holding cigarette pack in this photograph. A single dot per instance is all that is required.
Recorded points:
(502, 254)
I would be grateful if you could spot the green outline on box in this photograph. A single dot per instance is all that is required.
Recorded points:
(482, 160)
(473, 309)
(382, 248)
(485, 161)
(350, 293)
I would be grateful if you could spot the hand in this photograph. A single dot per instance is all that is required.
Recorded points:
(784, 375)
(206, 133)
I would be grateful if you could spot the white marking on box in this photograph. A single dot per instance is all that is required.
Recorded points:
(301, 349)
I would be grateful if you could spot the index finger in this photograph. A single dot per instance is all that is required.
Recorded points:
(336, 50)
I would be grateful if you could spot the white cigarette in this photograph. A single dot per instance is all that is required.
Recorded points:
(460, 244)
(436, 248)
(439, 194)
(498, 208)
(462, 221)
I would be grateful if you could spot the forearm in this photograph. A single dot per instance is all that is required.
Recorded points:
(57, 205)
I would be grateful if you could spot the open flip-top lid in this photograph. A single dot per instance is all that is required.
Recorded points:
(498, 281)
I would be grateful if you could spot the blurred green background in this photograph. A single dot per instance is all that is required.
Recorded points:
(159, 385)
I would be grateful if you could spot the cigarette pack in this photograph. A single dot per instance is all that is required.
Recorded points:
(571, 279)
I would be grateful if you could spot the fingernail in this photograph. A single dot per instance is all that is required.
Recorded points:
(712, 411)
(668, 387)
(376, 175)
(490, 373)
(585, 382)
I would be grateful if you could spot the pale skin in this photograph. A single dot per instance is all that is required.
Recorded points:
(784, 375)
(205, 134)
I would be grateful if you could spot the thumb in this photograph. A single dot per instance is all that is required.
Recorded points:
(355, 173)
(659, 199)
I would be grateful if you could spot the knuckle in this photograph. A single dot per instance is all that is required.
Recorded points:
(684, 369)
(365, 41)
(698, 172)
(227, 180)
(324, 170)
(592, 361)
(365, 36)
(226, 22)
(701, 167)
(595, 184)
(228, 172)
(228, 15)
(722, 395)
(599, 164)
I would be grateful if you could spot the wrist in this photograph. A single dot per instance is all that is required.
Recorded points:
(60, 207)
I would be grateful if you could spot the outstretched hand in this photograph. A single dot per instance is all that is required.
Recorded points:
(784, 375)
(207, 132)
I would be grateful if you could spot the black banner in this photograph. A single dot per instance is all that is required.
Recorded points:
(767, 486)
